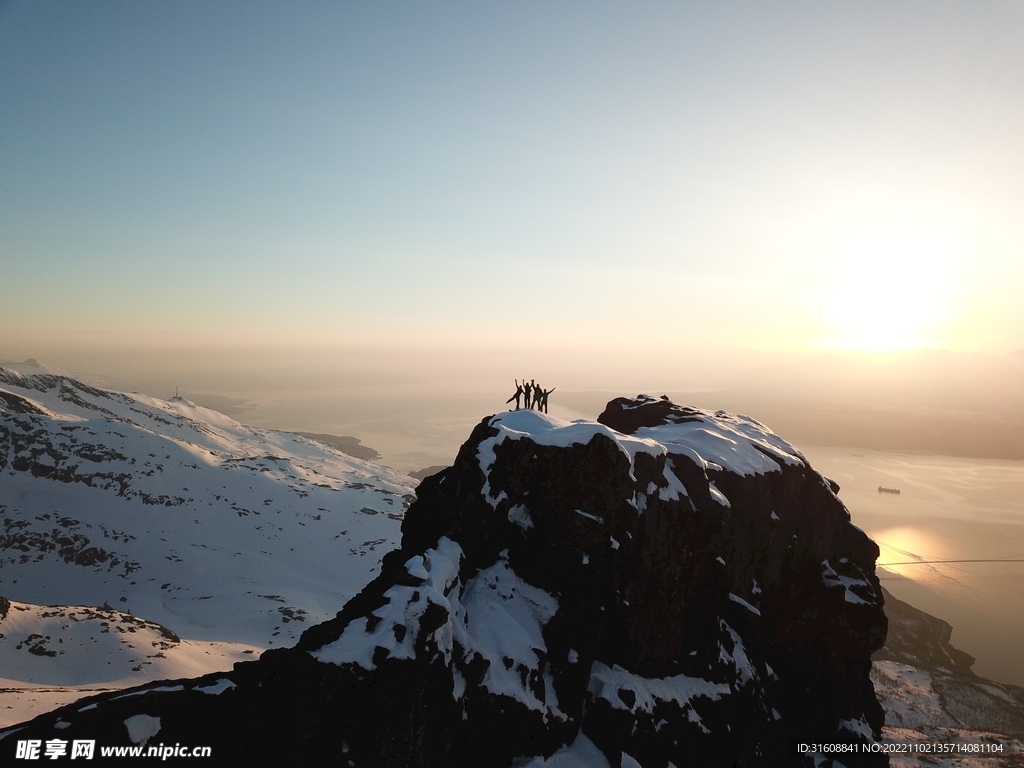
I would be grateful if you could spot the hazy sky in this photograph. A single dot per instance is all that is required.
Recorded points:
(766, 176)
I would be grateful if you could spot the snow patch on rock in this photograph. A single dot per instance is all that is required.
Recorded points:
(606, 683)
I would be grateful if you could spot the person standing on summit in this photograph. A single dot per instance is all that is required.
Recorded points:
(544, 398)
(517, 395)
(527, 389)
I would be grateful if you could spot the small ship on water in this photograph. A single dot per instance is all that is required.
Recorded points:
(883, 489)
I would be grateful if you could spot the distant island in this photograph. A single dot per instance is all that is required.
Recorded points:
(344, 443)
(422, 474)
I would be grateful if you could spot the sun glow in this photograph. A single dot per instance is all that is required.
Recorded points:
(891, 284)
(902, 547)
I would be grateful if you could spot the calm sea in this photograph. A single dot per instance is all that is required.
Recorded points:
(948, 509)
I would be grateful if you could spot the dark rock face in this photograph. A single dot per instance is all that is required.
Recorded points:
(790, 552)
(674, 585)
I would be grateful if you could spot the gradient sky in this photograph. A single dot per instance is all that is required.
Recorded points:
(788, 177)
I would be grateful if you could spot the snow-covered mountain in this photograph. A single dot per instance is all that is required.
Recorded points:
(178, 515)
(52, 655)
(668, 585)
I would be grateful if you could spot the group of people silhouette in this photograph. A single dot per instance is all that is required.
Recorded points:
(536, 396)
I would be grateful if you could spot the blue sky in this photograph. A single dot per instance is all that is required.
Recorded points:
(787, 177)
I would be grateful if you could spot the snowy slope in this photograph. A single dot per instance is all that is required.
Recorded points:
(178, 514)
(109, 645)
(60, 653)
(919, 706)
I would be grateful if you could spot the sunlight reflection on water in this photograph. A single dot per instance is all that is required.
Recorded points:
(948, 509)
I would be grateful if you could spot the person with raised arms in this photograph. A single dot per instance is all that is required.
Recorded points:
(517, 395)
(544, 398)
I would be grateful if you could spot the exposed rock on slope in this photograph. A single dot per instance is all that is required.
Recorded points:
(674, 585)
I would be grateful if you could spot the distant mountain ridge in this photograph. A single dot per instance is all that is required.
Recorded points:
(28, 367)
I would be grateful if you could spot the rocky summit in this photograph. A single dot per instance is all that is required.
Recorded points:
(664, 586)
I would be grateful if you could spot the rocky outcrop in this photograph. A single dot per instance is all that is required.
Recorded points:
(670, 585)
(921, 640)
(930, 692)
